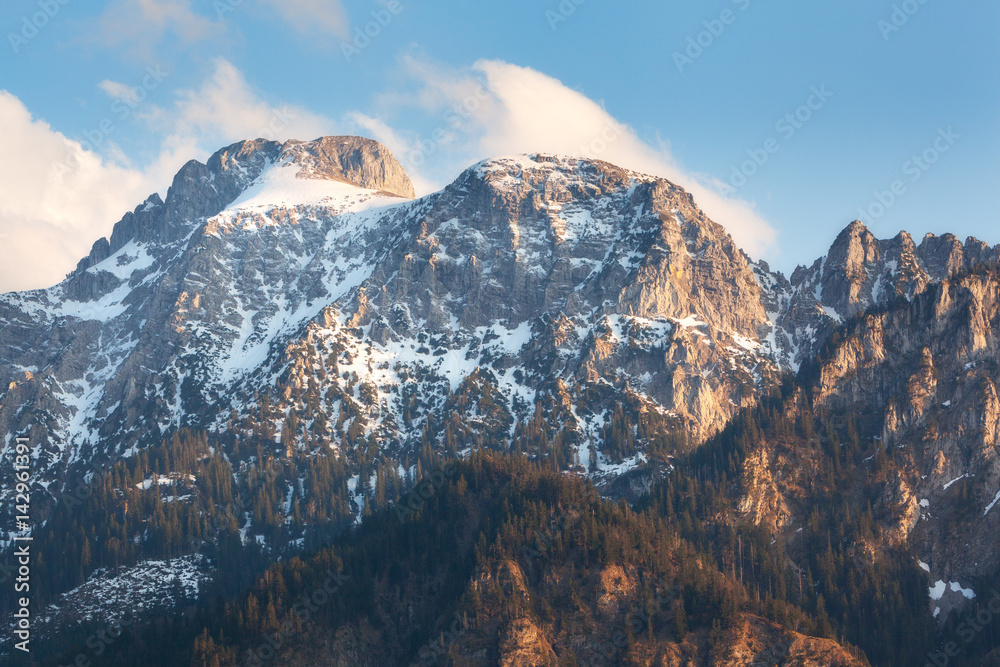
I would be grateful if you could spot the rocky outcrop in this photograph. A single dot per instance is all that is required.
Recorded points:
(859, 273)
(355, 160)
(756, 641)
(763, 502)
(523, 644)
(588, 635)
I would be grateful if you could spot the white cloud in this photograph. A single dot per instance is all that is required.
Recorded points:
(143, 23)
(223, 110)
(116, 90)
(50, 215)
(312, 17)
(401, 143)
(497, 108)
(227, 106)
(57, 197)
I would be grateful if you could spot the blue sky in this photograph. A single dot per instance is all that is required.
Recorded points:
(104, 101)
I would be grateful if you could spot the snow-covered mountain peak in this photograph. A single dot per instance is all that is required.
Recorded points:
(244, 174)
(534, 168)
(286, 190)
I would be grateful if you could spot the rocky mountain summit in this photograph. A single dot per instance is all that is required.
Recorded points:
(294, 300)
(860, 272)
(110, 357)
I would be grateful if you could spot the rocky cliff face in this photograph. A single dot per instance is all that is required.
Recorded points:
(353, 160)
(859, 272)
(539, 279)
(930, 370)
(919, 374)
